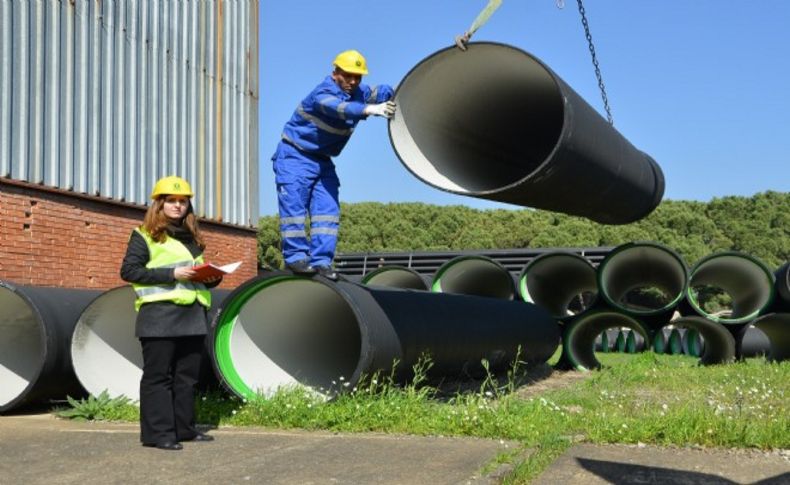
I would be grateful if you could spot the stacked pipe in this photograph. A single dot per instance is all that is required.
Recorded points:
(58, 342)
(671, 321)
(36, 324)
(106, 354)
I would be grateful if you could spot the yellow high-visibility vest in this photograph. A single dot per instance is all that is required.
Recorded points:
(170, 254)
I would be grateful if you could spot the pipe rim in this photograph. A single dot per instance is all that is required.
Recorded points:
(723, 320)
(436, 285)
(523, 288)
(43, 339)
(225, 320)
(391, 268)
(634, 311)
(774, 325)
(715, 343)
(590, 319)
(533, 173)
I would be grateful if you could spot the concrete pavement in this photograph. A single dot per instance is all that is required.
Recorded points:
(41, 449)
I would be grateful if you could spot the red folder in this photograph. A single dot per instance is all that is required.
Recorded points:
(209, 270)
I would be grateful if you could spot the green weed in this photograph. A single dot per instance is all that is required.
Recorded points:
(101, 408)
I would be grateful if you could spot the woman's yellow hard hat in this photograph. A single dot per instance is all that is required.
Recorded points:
(352, 61)
(171, 185)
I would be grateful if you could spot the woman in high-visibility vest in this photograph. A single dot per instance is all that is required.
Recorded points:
(171, 320)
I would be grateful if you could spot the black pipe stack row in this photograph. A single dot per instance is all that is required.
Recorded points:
(666, 317)
(283, 329)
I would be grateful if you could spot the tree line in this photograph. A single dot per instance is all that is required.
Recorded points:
(757, 225)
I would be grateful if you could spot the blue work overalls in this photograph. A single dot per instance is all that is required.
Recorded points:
(305, 174)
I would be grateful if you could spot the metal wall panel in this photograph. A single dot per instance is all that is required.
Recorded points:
(103, 97)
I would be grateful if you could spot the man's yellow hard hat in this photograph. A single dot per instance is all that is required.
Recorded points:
(351, 61)
(171, 185)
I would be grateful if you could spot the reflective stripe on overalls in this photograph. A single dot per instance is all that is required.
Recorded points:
(170, 254)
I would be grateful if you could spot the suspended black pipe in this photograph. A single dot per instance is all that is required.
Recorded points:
(106, 354)
(748, 282)
(643, 265)
(282, 330)
(578, 341)
(776, 326)
(474, 275)
(557, 281)
(496, 123)
(35, 332)
(395, 277)
(719, 344)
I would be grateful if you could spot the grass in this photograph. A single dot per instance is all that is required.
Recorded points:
(640, 398)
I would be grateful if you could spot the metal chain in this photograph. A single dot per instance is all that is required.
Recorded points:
(595, 63)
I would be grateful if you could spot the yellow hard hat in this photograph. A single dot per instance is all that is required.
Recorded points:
(351, 61)
(171, 185)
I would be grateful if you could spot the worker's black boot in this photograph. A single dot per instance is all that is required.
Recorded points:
(327, 272)
(301, 267)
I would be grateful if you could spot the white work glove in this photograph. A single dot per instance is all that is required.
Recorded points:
(386, 110)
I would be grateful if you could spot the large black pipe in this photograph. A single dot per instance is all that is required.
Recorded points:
(556, 281)
(776, 326)
(578, 339)
(106, 354)
(750, 341)
(35, 332)
(474, 275)
(643, 265)
(395, 277)
(719, 345)
(494, 122)
(282, 330)
(748, 282)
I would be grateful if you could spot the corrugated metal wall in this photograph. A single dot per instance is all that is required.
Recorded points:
(103, 97)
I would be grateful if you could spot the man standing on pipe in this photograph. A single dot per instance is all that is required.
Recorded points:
(304, 172)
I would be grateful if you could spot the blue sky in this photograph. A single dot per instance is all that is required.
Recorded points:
(700, 85)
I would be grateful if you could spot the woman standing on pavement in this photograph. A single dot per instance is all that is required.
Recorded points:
(171, 320)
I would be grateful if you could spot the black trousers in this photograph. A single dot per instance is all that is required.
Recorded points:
(171, 366)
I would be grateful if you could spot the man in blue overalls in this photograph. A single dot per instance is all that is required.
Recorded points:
(305, 175)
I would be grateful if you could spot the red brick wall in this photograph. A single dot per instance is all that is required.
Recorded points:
(53, 238)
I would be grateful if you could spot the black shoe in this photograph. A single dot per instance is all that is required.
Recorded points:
(301, 267)
(166, 445)
(327, 272)
(201, 437)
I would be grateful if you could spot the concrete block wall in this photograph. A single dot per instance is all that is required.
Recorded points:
(54, 238)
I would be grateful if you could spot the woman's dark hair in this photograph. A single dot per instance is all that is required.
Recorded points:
(155, 222)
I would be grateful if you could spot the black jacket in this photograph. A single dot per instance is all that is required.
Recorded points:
(163, 319)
